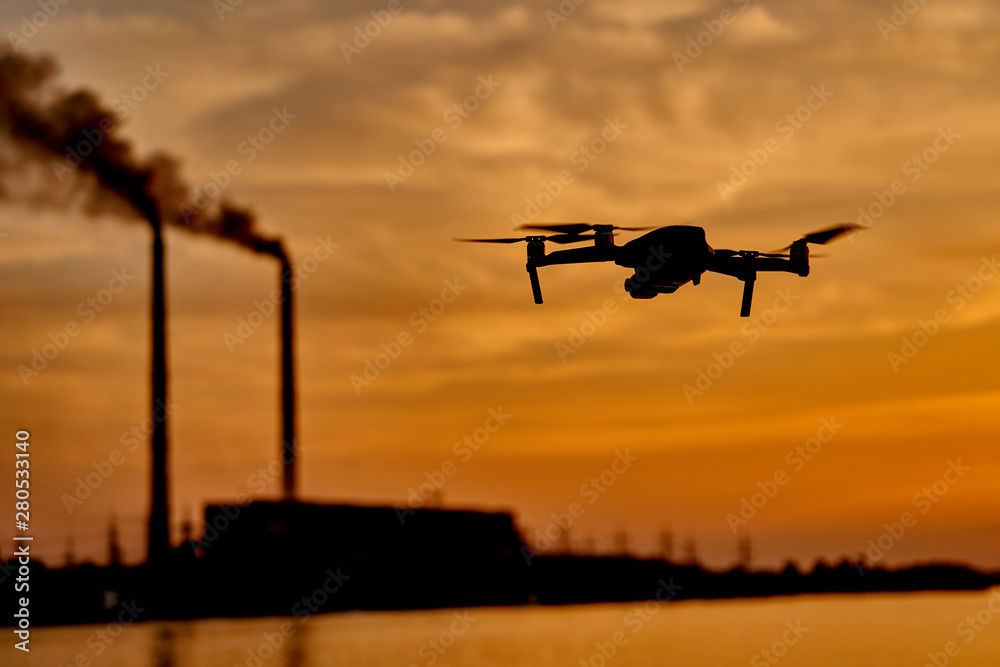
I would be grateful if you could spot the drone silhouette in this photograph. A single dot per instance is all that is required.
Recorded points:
(665, 258)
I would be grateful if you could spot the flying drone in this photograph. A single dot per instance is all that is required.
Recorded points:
(665, 258)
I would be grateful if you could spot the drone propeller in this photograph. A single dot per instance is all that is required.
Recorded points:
(824, 236)
(510, 240)
(821, 237)
(557, 238)
(578, 227)
(787, 255)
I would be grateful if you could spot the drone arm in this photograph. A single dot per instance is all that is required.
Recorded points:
(736, 266)
(537, 258)
(797, 266)
(536, 287)
(747, 295)
(576, 256)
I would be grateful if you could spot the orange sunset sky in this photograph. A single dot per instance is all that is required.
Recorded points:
(650, 111)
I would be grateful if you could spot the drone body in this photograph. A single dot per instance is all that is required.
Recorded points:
(666, 258)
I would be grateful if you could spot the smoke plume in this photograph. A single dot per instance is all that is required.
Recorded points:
(59, 146)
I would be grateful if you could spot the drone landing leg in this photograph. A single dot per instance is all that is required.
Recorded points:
(536, 287)
(747, 296)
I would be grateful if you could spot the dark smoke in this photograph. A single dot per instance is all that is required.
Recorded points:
(48, 133)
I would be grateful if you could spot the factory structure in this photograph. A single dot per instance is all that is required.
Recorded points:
(263, 557)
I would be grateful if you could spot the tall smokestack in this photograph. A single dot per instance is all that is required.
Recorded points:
(276, 248)
(158, 537)
(288, 452)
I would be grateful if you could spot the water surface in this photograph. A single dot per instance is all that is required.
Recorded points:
(819, 631)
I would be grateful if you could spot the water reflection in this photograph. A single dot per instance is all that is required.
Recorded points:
(275, 642)
(165, 647)
(295, 648)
